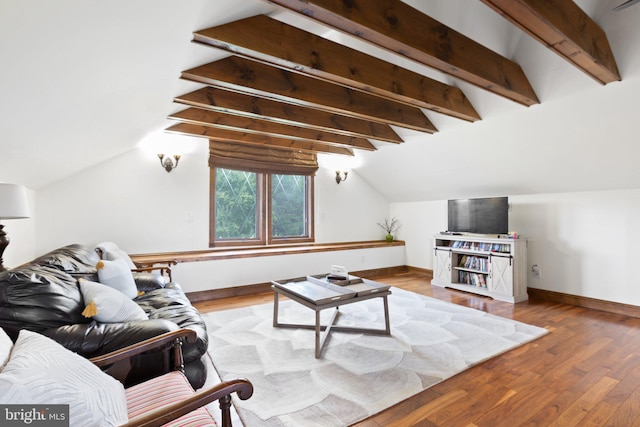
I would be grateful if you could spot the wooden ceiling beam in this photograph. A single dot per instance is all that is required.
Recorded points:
(256, 139)
(247, 76)
(396, 26)
(215, 119)
(565, 29)
(251, 106)
(267, 40)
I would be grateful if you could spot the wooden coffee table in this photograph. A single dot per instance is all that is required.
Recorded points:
(318, 293)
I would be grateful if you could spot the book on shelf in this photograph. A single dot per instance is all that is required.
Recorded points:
(480, 246)
(474, 279)
(501, 247)
(473, 262)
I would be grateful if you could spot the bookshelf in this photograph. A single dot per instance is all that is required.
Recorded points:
(485, 265)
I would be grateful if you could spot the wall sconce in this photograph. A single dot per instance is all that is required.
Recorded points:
(341, 176)
(168, 163)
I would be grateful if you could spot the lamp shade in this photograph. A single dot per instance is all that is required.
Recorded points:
(13, 201)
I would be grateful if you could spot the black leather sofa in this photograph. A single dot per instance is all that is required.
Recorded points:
(44, 296)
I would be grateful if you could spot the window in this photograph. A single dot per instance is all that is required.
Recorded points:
(251, 208)
(260, 194)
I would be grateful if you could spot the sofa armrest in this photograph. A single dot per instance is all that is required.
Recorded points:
(221, 392)
(93, 339)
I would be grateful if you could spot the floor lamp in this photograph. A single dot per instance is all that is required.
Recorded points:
(13, 205)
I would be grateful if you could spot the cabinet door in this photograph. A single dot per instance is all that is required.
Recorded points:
(442, 271)
(501, 280)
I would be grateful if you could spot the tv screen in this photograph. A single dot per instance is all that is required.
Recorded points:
(480, 216)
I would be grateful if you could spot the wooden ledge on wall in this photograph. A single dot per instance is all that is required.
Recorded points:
(259, 251)
(255, 251)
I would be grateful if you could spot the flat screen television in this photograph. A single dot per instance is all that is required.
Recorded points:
(480, 216)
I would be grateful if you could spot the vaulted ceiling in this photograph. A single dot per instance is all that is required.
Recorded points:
(284, 86)
(413, 90)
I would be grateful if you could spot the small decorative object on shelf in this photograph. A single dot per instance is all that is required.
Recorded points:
(390, 226)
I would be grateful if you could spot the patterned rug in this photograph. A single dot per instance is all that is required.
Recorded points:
(358, 375)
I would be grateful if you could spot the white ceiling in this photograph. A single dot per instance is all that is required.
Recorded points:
(83, 81)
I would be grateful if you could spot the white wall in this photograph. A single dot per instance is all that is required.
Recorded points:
(420, 221)
(199, 276)
(348, 211)
(585, 243)
(132, 201)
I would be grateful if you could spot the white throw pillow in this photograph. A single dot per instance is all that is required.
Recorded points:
(5, 348)
(107, 305)
(111, 251)
(42, 372)
(117, 274)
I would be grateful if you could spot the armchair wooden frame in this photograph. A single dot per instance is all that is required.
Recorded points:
(221, 392)
(164, 269)
(164, 266)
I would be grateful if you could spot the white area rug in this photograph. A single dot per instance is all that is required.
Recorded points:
(358, 375)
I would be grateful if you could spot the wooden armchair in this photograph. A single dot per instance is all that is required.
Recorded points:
(164, 265)
(164, 268)
(160, 400)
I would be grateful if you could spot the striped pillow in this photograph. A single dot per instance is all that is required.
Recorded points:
(42, 372)
(163, 390)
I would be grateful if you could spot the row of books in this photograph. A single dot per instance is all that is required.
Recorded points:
(475, 279)
(501, 247)
(474, 262)
(482, 246)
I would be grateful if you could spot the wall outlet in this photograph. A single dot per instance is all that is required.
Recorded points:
(535, 271)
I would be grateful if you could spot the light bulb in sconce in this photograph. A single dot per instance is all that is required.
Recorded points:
(341, 176)
(170, 162)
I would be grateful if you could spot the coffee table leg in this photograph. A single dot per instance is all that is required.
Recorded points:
(318, 348)
(322, 336)
(387, 324)
(275, 309)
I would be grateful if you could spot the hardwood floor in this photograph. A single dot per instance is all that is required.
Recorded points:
(585, 372)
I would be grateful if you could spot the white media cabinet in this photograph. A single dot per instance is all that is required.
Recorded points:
(485, 265)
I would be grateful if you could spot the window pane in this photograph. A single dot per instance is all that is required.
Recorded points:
(288, 206)
(236, 201)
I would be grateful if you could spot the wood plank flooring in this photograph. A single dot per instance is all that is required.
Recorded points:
(585, 372)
